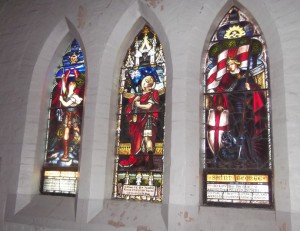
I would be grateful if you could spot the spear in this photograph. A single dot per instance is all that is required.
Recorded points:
(245, 103)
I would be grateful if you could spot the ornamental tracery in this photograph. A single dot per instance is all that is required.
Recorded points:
(140, 120)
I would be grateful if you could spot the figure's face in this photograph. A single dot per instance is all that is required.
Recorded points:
(72, 85)
(232, 66)
(147, 83)
(73, 58)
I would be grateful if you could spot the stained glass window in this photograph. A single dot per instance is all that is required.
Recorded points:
(63, 140)
(237, 138)
(140, 121)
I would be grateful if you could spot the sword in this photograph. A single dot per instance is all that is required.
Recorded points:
(59, 111)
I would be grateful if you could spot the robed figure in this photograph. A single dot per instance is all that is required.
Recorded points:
(238, 117)
(142, 115)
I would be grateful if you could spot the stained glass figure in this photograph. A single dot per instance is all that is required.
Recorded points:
(140, 127)
(237, 110)
(64, 121)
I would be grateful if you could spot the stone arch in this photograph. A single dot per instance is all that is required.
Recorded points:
(127, 27)
(261, 16)
(32, 154)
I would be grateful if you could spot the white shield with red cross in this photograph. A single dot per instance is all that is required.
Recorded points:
(217, 124)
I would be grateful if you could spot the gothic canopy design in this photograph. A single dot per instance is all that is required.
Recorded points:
(140, 120)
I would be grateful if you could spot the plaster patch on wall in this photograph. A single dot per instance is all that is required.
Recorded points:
(186, 214)
(143, 228)
(122, 214)
(108, 5)
(116, 224)
(81, 16)
(154, 3)
(201, 9)
(283, 227)
(187, 218)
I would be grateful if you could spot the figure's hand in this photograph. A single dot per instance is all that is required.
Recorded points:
(136, 99)
(247, 86)
(220, 108)
(137, 103)
(61, 99)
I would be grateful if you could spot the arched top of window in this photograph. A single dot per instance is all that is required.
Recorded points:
(236, 37)
(237, 155)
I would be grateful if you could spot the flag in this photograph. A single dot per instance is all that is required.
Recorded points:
(218, 71)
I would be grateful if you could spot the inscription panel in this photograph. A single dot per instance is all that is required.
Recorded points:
(238, 189)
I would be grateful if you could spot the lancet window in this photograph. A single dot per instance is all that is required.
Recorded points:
(63, 141)
(140, 121)
(237, 139)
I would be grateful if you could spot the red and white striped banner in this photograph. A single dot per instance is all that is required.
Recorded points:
(217, 72)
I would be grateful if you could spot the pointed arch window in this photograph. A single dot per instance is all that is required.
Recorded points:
(140, 120)
(237, 145)
(63, 140)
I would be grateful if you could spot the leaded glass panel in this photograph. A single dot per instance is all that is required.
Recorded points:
(140, 121)
(237, 135)
(60, 170)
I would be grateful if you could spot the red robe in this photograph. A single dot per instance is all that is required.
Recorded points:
(257, 103)
(136, 128)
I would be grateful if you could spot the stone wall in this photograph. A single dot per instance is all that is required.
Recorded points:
(34, 34)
